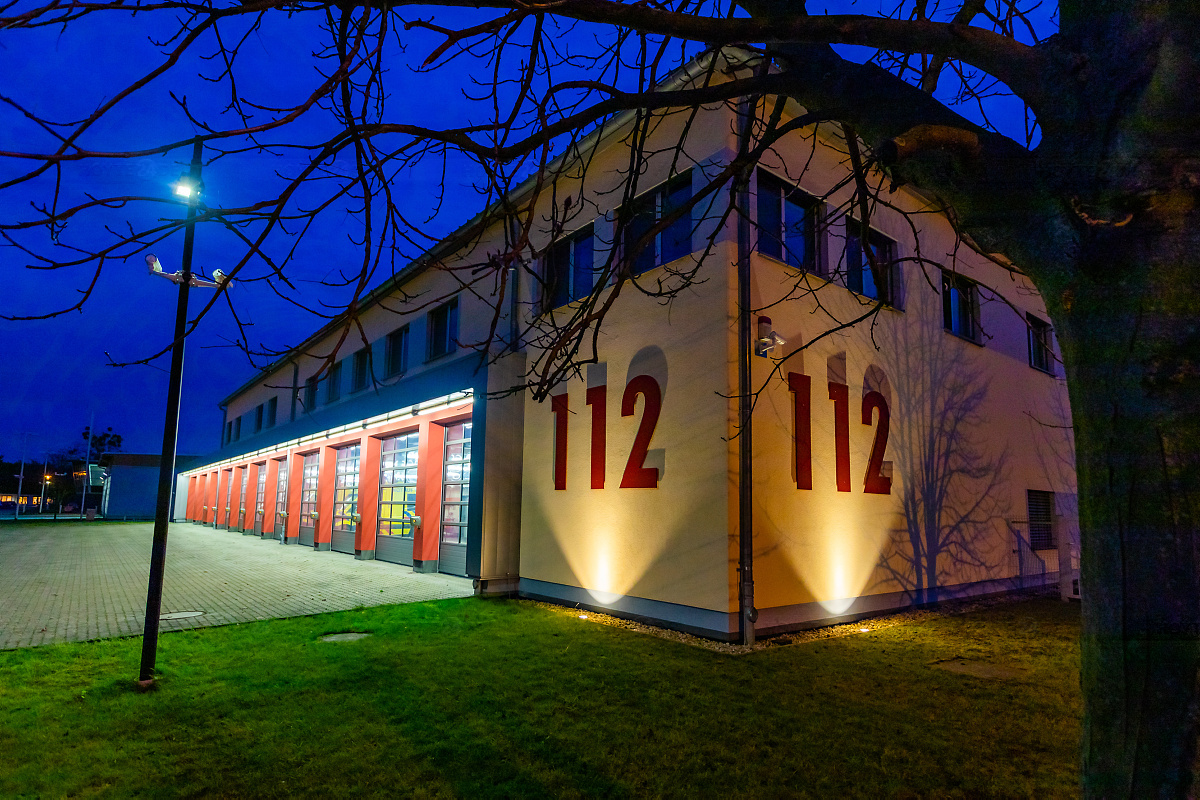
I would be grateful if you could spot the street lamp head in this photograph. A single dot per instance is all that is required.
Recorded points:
(152, 264)
(187, 188)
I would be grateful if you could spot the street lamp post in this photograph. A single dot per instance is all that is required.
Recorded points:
(188, 187)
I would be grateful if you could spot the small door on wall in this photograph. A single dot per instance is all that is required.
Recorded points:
(308, 498)
(456, 490)
(345, 499)
(397, 499)
(260, 499)
(281, 489)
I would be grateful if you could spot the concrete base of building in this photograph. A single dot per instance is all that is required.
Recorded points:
(721, 626)
(321, 546)
(249, 533)
(221, 527)
(364, 555)
(269, 535)
(506, 586)
(704, 622)
(291, 539)
(424, 566)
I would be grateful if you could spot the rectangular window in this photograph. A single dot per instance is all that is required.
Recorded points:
(569, 274)
(237, 429)
(272, 411)
(333, 383)
(397, 351)
(1041, 520)
(859, 276)
(228, 432)
(786, 222)
(258, 417)
(362, 370)
(960, 306)
(649, 209)
(442, 329)
(1040, 355)
(310, 393)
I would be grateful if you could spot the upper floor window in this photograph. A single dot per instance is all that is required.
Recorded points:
(310, 393)
(362, 370)
(228, 431)
(960, 306)
(569, 274)
(272, 411)
(1040, 355)
(258, 417)
(786, 222)
(443, 329)
(397, 351)
(674, 241)
(333, 383)
(237, 429)
(860, 277)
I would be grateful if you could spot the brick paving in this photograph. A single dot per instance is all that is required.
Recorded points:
(71, 582)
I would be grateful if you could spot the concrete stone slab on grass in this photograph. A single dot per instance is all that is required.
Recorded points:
(72, 582)
(981, 669)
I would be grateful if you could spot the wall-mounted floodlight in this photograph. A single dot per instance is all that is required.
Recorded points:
(767, 339)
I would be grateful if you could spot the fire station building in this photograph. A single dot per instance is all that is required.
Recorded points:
(924, 452)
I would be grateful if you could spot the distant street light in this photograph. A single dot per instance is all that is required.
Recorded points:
(188, 187)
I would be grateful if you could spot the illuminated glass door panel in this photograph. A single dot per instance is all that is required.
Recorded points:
(260, 498)
(397, 498)
(345, 498)
(241, 517)
(456, 497)
(229, 512)
(281, 489)
(309, 475)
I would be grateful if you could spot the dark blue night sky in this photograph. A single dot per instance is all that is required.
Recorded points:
(58, 372)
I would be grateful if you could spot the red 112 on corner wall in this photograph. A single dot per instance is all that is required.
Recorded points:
(875, 482)
(637, 475)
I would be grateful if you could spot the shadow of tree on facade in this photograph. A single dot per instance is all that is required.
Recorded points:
(950, 477)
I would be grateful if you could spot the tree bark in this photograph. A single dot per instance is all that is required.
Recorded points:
(1129, 326)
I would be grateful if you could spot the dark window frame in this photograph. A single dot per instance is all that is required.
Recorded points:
(568, 269)
(1040, 338)
(778, 201)
(333, 383)
(858, 267)
(396, 351)
(237, 429)
(258, 417)
(272, 412)
(647, 210)
(441, 329)
(310, 392)
(361, 370)
(960, 307)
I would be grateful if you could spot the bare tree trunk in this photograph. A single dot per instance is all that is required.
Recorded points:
(1130, 341)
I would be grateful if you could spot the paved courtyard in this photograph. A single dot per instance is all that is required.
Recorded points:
(70, 582)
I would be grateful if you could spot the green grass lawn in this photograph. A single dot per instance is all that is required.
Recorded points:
(498, 698)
